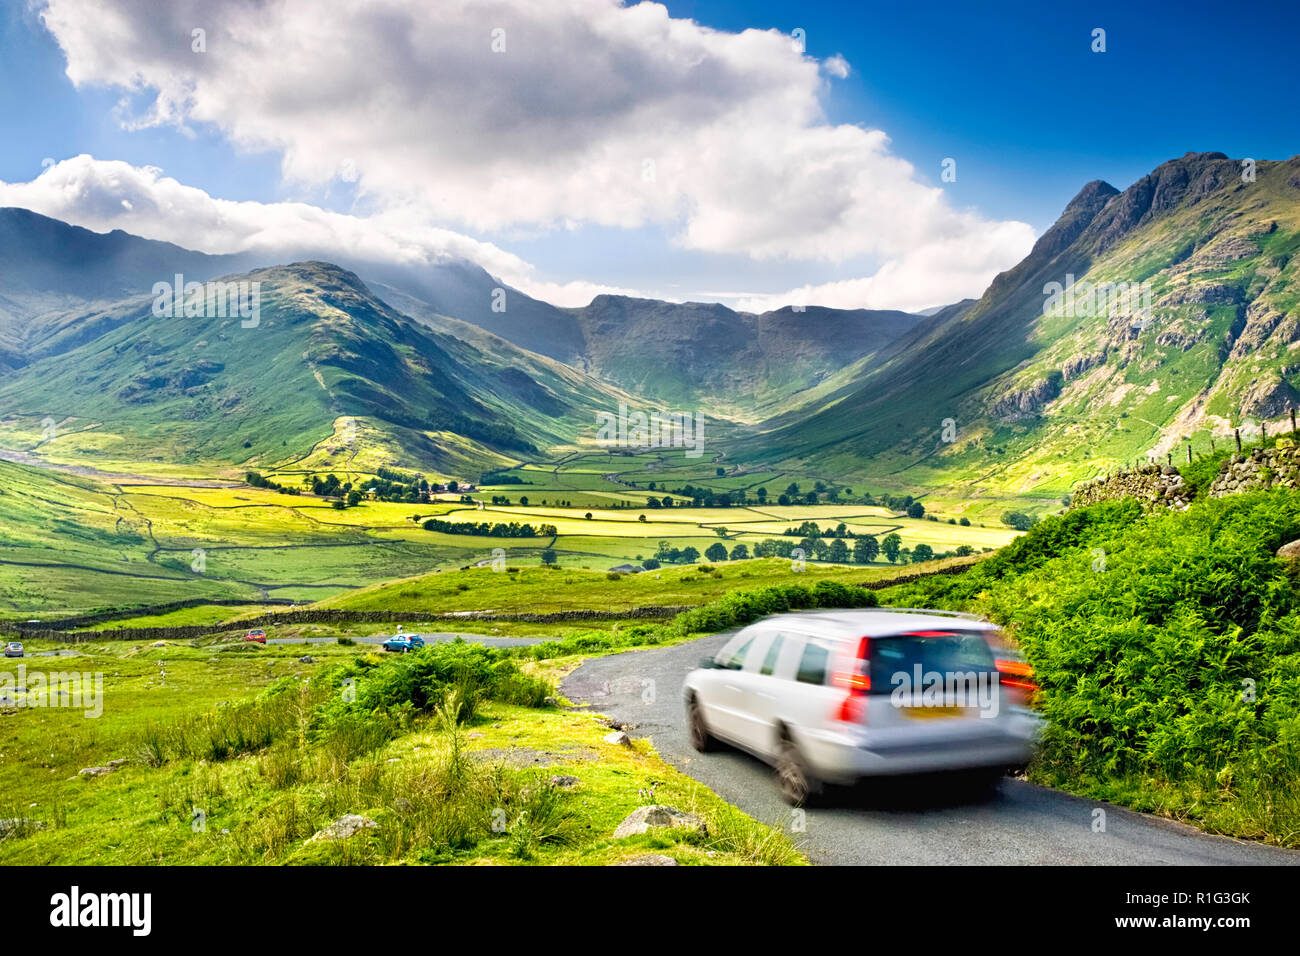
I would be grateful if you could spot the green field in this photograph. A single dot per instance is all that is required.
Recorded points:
(75, 544)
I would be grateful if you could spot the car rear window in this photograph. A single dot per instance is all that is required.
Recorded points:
(946, 651)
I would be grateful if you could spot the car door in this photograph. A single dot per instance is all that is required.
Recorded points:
(756, 692)
(719, 689)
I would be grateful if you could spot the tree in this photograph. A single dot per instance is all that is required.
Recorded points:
(762, 495)
(916, 510)
(549, 556)
(650, 564)
(739, 553)
(354, 498)
(922, 552)
(690, 555)
(891, 546)
(839, 552)
(720, 531)
(640, 518)
(783, 501)
(716, 552)
(964, 522)
(1018, 520)
(865, 549)
(588, 516)
(523, 500)
(721, 471)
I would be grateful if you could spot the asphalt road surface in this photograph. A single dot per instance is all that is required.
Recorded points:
(919, 821)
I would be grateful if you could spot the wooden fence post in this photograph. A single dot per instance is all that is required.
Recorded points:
(1238, 433)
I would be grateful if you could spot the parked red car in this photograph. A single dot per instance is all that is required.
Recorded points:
(256, 634)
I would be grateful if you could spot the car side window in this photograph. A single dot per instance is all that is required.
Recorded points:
(812, 664)
(737, 659)
(773, 652)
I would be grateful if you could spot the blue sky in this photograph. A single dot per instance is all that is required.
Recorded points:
(1012, 92)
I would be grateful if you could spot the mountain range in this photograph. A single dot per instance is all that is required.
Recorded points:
(448, 368)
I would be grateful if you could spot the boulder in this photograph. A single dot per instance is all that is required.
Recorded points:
(95, 771)
(1290, 551)
(642, 819)
(348, 825)
(618, 737)
(564, 781)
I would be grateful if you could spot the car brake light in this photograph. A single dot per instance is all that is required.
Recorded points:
(1016, 674)
(858, 681)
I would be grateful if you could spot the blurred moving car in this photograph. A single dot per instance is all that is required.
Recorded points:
(835, 696)
(256, 634)
(14, 649)
(403, 643)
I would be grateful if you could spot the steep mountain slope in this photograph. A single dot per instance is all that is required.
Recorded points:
(132, 385)
(1040, 396)
(51, 271)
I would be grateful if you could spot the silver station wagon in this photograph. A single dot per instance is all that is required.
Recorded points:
(836, 696)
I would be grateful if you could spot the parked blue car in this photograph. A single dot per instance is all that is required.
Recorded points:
(403, 643)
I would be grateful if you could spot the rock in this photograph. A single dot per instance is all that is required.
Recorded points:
(1290, 551)
(656, 815)
(95, 771)
(17, 827)
(306, 659)
(618, 737)
(648, 859)
(550, 702)
(346, 826)
(564, 781)
(475, 735)
(120, 761)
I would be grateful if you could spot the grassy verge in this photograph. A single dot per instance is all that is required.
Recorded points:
(240, 755)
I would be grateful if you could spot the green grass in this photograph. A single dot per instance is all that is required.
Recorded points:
(76, 545)
(263, 746)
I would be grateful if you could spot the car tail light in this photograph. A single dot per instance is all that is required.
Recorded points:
(858, 681)
(1016, 674)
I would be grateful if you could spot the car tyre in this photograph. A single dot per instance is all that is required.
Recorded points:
(798, 784)
(701, 739)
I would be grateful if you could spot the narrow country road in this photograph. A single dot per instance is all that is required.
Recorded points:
(908, 822)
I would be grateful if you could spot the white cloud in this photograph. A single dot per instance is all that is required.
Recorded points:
(103, 195)
(595, 113)
(836, 66)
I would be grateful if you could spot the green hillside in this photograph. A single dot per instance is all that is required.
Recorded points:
(134, 387)
(1041, 401)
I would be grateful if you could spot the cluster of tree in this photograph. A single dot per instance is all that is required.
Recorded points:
(258, 481)
(1018, 520)
(485, 529)
(670, 555)
(501, 478)
(865, 550)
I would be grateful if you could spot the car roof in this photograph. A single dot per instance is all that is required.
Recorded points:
(872, 622)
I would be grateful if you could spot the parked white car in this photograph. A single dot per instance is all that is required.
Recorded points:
(835, 696)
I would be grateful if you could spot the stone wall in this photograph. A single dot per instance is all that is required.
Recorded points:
(1277, 467)
(335, 616)
(1162, 485)
(1152, 485)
